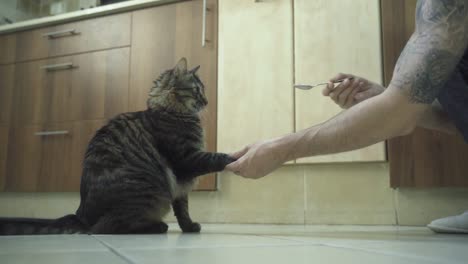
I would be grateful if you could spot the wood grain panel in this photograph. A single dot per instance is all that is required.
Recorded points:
(24, 159)
(95, 88)
(160, 37)
(4, 130)
(100, 85)
(94, 34)
(7, 48)
(425, 158)
(334, 36)
(7, 74)
(49, 163)
(55, 158)
(255, 94)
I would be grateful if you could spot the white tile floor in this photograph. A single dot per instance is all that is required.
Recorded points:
(244, 244)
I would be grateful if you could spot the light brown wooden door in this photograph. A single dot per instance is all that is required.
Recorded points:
(320, 54)
(160, 37)
(256, 96)
(82, 87)
(425, 158)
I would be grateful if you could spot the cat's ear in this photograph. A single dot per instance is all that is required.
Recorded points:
(194, 70)
(181, 66)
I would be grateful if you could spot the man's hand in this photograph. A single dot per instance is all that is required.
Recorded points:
(351, 92)
(259, 159)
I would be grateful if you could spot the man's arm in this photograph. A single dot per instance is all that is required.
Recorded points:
(435, 118)
(426, 63)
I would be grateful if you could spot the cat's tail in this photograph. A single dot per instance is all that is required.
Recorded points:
(69, 224)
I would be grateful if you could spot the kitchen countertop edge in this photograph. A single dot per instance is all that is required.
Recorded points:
(84, 14)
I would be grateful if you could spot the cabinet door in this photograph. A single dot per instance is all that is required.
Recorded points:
(3, 154)
(160, 37)
(255, 87)
(88, 86)
(7, 74)
(334, 36)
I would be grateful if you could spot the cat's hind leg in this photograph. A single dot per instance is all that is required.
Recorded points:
(126, 220)
(180, 207)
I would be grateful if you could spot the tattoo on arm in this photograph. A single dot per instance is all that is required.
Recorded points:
(434, 50)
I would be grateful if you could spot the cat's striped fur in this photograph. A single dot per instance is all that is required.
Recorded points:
(140, 164)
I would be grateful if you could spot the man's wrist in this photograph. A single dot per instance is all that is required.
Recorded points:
(285, 147)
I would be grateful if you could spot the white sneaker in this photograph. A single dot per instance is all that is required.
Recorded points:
(457, 224)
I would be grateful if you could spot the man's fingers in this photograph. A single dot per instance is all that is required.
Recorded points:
(232, 166)
(328, 88)
(339, 89)
(363, 95)
(240, 153)
(343, 96)
(341, 76)
(351, 101)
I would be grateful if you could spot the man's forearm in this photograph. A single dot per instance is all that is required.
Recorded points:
(374, 120)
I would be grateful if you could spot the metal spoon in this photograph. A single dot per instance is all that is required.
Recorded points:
(308, 86)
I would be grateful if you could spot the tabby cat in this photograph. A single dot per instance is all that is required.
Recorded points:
(140, 164)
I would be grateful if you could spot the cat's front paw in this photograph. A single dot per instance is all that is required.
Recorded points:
(191, 228)
(228, 160)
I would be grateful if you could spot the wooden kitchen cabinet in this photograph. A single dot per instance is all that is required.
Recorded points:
(75, 37)
(7, 48)
(160, 37)
(94, 86)
(48, 157)
(24, 159)
(255, 67)
(334, 36)
(106, 69)
(7, 74)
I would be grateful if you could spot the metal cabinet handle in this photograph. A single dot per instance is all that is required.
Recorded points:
(205, 9)
(60, 66)
(61, 33)
(51, 133)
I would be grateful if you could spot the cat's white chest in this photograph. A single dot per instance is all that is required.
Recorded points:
(177, 190)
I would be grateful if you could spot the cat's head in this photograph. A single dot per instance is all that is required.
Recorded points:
(178, 90)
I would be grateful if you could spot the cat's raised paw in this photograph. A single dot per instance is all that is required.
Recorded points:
(191, 228)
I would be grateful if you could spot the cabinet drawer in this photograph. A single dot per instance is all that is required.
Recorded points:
(76, 37)
(7, 48)
(48, 157)
(82, 87)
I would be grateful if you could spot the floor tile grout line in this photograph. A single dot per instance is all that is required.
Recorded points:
(113, 250)
(331, 245)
